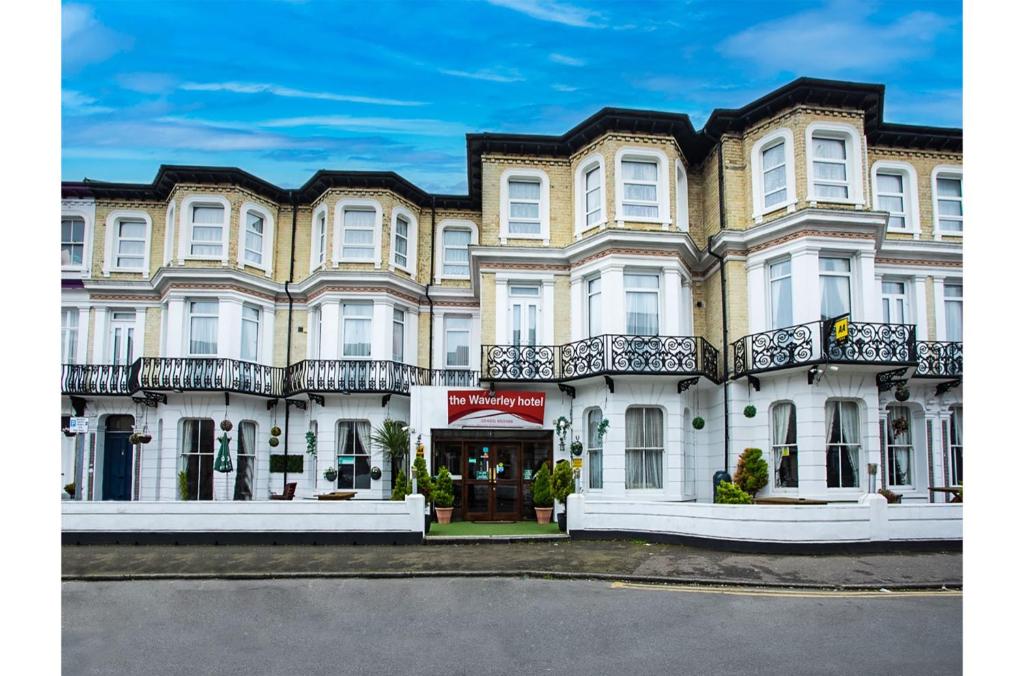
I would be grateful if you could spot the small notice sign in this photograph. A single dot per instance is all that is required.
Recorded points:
(577, 463)
(842, 329)
(79, 425)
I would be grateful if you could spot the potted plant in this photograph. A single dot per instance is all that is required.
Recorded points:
(182, 485)
(562, 425)
(424, 486)
(393, 437)
(542, 496)
(562, 485)
(698, 423)
(275, 431)
(750, 410)
(331, 473)
(602, 429)
(900, 426)
(401, 488)
(70, 489)
(444, 496)
(728, 493)
(311, 443)
(751, 471)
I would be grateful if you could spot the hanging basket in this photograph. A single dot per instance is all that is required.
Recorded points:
(330, 474)
(750, 411)
(226, 425)
(274, 441)
(902, 393)
(275, 431)
(145, 438)
(375, 473)
(698, 423)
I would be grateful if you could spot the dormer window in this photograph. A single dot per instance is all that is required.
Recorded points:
(835, 163)
(403, 240)
(642, 178)
(254, 238)
(358, 224)
(773, 174)
(524, 212)
(130, 244)
(831, 168)
(207, 230)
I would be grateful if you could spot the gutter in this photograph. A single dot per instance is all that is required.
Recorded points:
(430, 324)
(288, 340)
(725, 306)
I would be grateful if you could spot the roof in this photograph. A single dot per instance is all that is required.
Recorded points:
(695, 145)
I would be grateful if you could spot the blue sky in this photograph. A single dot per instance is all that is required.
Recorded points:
(284, 88)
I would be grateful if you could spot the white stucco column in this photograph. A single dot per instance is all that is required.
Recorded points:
(577, 303)
(266, 353)
(176, 333)
(330, 327)
(99, 334)
(757, 290)
(229, 328)
(140, 332)
(501, 333)
(919, 300)
(806, 289)
(868, 307)
(547, 313)
(613, 300)
(380, 330)
(686, 315)
(673, 324)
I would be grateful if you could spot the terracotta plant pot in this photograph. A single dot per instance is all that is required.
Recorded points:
(444, 514)
(543, 514)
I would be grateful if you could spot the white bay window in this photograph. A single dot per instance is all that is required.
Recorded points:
(202, 331)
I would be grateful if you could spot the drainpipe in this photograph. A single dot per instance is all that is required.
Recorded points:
(430, 325)
(725, 306)
(288, 340)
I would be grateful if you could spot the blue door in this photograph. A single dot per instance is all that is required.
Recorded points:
(117, 458)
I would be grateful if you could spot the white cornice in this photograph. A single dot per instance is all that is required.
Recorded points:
(869, 223)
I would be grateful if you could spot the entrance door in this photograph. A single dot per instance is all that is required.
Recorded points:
(117, 458)
(492, 477)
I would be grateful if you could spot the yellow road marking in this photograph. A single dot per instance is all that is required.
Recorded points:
(786, 593)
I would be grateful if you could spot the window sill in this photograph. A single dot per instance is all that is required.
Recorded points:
(815, 201)
(217, 259)
(394, 267)
(357, 261)
(451, 278)
(619, 218)
(789, 208)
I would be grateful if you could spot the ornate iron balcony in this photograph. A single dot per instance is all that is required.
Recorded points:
(368, 376)
(867, 343)
(601, 355)
(206, 374)
(95, 379)
(939, 359)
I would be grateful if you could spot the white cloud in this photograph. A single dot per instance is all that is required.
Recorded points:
(395, 125)
(563, 88)
(147, 83)
(834, 40)
(76, 103)
(566, 60)
(288, 92)
(554, 12)
(84, 40)
(486, 74)
(170, 133)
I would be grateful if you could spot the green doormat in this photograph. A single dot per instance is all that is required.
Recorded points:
(490, 528)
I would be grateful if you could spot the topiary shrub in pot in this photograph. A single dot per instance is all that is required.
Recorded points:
(751, 471)
(542, 496)
(401, 488)
(562, 486)
(729, 493)
(182, 486)
(444, 496)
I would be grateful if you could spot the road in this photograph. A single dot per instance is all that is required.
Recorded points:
(483, 626)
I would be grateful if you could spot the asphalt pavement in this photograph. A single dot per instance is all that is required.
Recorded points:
(485, 626)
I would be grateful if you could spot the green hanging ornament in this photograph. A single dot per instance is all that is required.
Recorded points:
(223, 462)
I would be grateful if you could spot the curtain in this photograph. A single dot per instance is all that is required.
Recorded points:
(524, 190)
(358, 218)
(829, 149)
(957, 427)
(250, 333)
(363, 434)
(780, 431)
(782, 299)
(363, 460)
(634, 456)
(639, 171)
(189, 446)
(851, 437)
(831, 448)
(652, 467)
(346, 479)
(245, 469)
(641, 313)
(835, 296)
(343, 429)
(595, 449)
(954, 320)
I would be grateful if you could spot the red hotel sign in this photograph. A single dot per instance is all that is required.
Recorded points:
(480, 408)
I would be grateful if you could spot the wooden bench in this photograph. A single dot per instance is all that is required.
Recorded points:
(788, 501)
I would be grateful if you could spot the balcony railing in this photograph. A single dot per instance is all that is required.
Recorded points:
(601, 355)
(368, 375)
(866, 343)
(95, 379)
(206, 374)
(939, 359)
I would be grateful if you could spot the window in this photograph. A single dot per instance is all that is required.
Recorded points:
(130, 244)
(197, 457)
(953, 302)
(401, 242)
(773, 175)
(644, 447)
(456, 340)
(72, 241)
(250, 333)
(682, 199)
(317, 332)
(831, 168)
(356, 322)
(68, 335)
(398, 336)
(890, 192)
(956, 446)
(594, 307)
(208, 227)
(593, 190)
(253, 238)
(357, 237)
(834, 276)
(202, 335)
(320, 238)
(842, 457)
(525, 309)
(780, 281)
(245, 467)
(640, 189)
(641, 304)
(784, 451)
(122, 337)
(456, 252)
(524, 207)
(353, 454)
(894, 302)
(899, 453)
(949, 202)
(595, 448)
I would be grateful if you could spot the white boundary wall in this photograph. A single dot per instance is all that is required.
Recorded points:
(871, 520)
(322, 516)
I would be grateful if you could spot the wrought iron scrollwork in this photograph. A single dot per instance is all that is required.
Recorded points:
(939, 359)
(874, 343)
(776, 349)
(518, 362)
(96, 379)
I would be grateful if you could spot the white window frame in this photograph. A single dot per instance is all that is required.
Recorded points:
(682, 198)
(412, 235)
(593, 446)
(474, 239)
(85, 235)
(911, 207)
(954, 478)
(169, 232)
(854, 141)
(908, 447)
(339, 229)
(861, 449)
(589, 295)
(904, 298)
(189, 315)
(626, 290)
(87, 212)
(633, 154)
(251, 455)
(114, 218)
(117, 320)
(267, 254)
(185, 220)
(777, 446)
(770, 301)
(398, 322)
(544, 208)
(344, 320)
(785, 136)
(318, 258)
(525, 295)
(645, 449)
(946, 171)
(316, 328)
(944, 325)
(594, 161)
(69, 335)
(259, 327)
(849, 275)
(469, 339)
(367, 454)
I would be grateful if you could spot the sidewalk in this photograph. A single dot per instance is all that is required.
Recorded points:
(622, 560)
